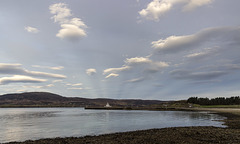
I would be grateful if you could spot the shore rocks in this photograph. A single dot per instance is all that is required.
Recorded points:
(181, 135)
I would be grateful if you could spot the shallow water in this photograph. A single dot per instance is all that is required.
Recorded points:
(19, 124)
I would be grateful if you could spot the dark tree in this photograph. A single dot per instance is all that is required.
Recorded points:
(215, 101)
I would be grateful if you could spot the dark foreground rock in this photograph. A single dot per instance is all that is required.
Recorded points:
(181, 135)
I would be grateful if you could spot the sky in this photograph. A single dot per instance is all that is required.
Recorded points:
(138, 49)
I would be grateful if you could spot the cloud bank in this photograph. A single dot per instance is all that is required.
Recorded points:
(20, 79)
(16, 69)
(210, 55)
(200, 76)
(210, 36)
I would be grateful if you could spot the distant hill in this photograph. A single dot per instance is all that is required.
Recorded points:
(33, 96)
(45, 99)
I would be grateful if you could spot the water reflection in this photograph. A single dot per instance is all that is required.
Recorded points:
(34, 123)
(28, 115)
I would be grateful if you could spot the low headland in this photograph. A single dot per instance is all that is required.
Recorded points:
(178, 135)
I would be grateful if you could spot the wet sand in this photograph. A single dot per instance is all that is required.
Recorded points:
(232, 114)
(235, 111)
(179, 135)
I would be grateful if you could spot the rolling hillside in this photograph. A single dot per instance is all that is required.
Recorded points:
(44, 99)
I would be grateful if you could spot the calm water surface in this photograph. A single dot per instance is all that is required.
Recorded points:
(19, 124)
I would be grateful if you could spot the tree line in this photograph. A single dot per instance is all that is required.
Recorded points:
(215, 101)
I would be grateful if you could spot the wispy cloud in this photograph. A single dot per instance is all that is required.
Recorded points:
(20, 79)
(75, 88)
(40, 87)
(137, 60)
(192, 4)
(48, 67)
(72, 29)
(31, 29)
(16, 69)
(61, 12)
(135, 80)
(116, 70)
(112, 75)
(76, 84)
(56, 81)
(205, 54)
(144, 63)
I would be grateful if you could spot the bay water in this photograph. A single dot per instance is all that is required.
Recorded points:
(20, 124)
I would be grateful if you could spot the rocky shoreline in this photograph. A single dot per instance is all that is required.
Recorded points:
(178, 135)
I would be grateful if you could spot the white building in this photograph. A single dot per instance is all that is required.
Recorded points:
(107, 105)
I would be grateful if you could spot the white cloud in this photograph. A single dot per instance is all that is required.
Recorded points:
(20, 79)
(71, 32)
(214, 36)
(91, 71)
(112, 75)
(137, 60)
(43, 74)
(16, 69)
(61, 12)
(57, 68)
(76, 84)
(157, 8)
(78, 22)
(135, 80)
(74, 88)
(116, 70)
(195, 55)
(47, 67)
(173, 42)
(72, 29)
(56, 81)
(50, 85)
(31, 29)
(143, 63)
